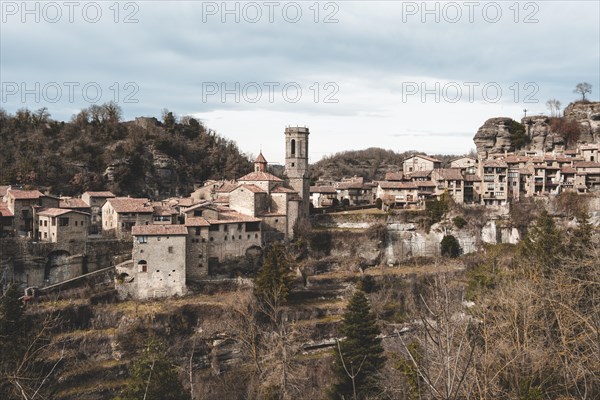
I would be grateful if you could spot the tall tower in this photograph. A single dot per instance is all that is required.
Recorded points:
(296, 164)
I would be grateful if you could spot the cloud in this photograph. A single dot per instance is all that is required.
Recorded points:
(368, 57)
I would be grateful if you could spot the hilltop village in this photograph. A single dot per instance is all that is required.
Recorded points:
(183, 239)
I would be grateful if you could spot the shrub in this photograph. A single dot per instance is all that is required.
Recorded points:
(518, 137)
(378, 203)
(459, 222)
(450, 246)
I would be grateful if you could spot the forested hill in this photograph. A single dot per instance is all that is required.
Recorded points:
(371, 163)
(97, 151)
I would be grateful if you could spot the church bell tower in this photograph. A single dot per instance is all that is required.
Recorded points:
(296, 164)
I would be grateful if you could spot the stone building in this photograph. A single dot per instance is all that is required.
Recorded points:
(23, 203)
(158, 267)
(217, 236)
(420, 163)
(61, 225)
(449, 180)
(120, 214)
(95, 201)
(296, 165)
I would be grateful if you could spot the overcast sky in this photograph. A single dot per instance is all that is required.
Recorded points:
(394, 74)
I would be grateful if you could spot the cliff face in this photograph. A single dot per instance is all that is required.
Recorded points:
(494, 136)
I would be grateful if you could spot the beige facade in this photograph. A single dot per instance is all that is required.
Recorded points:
(120, 214)
(159, 262)
(23, 203)
(59, 225)
(95, 200)
(420, 163)
(210, 242)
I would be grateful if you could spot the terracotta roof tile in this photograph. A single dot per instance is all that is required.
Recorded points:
(398, 185)
(55, 212)
(73, 203)
(4, 211)
(424, 157)
(281, 189)
(130, 205)
(260, 176)
(419, 174)
(323, 189)
(24, 194)
(196, 221)
(100, 194)
(394, 176)
(158, 230)
(226, 188)
(230, 217)
(260, 158)
(252, 188)
(495, 164)
(452, 174)
(587, 164)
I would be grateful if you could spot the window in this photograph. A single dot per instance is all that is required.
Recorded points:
(53, 221)
(170, 249)
(213, 228)
(252, 226)
(197, 213)
(198, 231)
(63, 221)
(142, 266)
(45, 235)
(293, 147)
(45, 222)
(225, 228)
(75, 223)
(142, 239)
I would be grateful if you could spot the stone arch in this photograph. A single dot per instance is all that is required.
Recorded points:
(254, 251)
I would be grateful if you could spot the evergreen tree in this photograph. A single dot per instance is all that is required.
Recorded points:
(359, 356)
(581, 237)
(543, 245)
(274, 279)
(153, 377)
(450, 246)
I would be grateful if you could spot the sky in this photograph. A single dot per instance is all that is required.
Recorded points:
(401, 75)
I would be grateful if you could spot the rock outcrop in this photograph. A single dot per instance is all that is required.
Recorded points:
(494, 136)
(539, 131)
(588, 116)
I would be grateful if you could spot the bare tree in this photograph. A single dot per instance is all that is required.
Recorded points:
(446, 350)
(582, 88)
(553, 106)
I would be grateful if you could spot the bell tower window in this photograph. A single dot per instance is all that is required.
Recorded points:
(293, 145)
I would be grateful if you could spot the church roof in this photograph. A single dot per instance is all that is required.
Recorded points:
(260, 158)
(260, 176)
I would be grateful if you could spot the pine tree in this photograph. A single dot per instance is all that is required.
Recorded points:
(153, 377)
(274, 279)
(543, 245)
(359, 356)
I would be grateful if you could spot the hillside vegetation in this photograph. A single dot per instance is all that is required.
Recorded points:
(96, 150)
(371, 163)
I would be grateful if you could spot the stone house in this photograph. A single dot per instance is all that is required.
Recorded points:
(420, 163)
(213, 239)
(61, 225)
(395, 194)
(120, 214)
(323, 196)
(158, 267)
(6, 220)
(355, 191)
(494, 185)
(467, 164)
(589, 174)
(23, 203)
(449, 180)
(95, 201)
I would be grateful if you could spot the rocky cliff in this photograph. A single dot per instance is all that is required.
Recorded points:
(494, 135)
